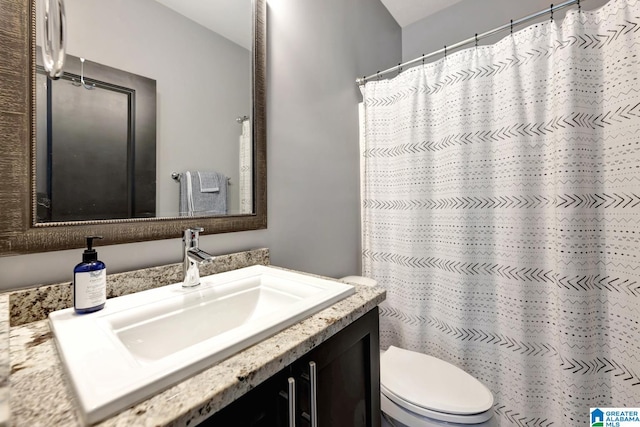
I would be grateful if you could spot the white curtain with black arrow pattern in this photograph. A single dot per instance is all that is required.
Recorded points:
(501, 211)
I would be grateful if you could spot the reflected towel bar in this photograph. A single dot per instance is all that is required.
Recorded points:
(177, 175)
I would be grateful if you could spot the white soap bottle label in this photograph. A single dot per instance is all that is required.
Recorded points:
(90, 289)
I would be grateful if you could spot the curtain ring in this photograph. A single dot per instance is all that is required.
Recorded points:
(551, 12)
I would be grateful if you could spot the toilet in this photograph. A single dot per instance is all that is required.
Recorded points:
(418, 390)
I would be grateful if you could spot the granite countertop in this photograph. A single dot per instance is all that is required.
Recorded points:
(40, 396)
(4, 360)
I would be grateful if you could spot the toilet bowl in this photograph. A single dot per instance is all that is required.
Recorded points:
(418, 390)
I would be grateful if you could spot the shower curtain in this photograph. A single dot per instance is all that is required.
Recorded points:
(246, 169)
(501, 211)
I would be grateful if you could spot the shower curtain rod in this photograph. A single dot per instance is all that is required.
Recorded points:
(510, 25)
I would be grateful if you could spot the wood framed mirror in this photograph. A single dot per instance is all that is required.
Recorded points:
(21, 232)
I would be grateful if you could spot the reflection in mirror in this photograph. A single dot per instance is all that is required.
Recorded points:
(96, 147)
(155, 122)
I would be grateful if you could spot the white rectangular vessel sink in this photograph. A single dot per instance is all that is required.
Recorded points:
(141, 343)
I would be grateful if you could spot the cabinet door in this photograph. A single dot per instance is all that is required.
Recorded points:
(265, 406)
(347, 383)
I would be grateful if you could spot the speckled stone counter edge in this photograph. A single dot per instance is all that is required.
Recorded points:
(30, 305)
(41, 396)
(5, 360)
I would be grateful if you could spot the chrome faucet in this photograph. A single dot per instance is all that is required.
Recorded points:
(193, 256)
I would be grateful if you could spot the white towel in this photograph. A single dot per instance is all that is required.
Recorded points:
(189, 192)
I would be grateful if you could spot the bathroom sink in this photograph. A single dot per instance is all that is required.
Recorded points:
(141, 343)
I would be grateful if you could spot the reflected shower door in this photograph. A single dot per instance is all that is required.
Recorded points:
(89, 153)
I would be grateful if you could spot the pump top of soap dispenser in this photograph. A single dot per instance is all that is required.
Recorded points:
(90, 254)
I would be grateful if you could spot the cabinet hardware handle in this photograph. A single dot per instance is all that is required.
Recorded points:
(292, 402)
(314, 395)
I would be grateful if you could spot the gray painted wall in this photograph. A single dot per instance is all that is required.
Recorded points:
(468, 17)
(316, 50)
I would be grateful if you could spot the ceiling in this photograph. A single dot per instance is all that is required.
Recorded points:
(229, 18)
(232, 18)
(407, 12)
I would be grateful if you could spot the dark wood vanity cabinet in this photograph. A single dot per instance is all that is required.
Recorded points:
(346, 379)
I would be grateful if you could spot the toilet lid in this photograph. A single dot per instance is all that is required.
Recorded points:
(430, 383)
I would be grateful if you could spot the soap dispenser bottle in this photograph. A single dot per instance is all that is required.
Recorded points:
(89, 281)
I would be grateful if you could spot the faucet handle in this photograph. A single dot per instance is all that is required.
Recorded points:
(191, 234)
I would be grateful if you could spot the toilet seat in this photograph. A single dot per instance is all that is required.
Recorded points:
(404, 411)
(433, 388)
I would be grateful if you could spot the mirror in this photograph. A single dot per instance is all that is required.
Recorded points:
(194, 132)
(138, 104)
